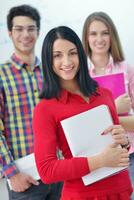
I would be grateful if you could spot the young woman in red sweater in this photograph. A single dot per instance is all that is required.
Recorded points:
(69, 90)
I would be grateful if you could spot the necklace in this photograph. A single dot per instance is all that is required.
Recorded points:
(99, 70)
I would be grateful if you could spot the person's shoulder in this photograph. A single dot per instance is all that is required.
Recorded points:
(43, 102)
(104, 91)
(46, 104)
(5, 65)
(125, 65)
(128, 69)
(4, 71)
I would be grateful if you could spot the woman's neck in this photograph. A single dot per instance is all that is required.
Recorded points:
(72, 86)
(100, 62)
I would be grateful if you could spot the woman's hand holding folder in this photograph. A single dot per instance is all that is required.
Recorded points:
(113, 155)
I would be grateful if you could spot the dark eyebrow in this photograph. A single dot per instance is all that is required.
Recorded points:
(106, 30)
(24, 26)
(73, 49)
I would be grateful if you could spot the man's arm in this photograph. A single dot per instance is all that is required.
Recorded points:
(6, 159)
(18, 180)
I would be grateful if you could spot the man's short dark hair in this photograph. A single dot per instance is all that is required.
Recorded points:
(23, 10)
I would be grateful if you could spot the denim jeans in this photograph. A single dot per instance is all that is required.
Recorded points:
(131, 168)
(131, 171)
(40, 192)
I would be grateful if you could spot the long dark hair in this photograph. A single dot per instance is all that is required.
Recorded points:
(51, 87)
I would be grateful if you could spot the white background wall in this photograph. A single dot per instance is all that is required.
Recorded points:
(72, 13)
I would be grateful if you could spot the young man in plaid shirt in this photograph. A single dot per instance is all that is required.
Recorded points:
(20, 84)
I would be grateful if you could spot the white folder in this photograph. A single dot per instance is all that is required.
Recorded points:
(83, 133)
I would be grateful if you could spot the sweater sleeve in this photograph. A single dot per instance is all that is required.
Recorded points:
(45, 147)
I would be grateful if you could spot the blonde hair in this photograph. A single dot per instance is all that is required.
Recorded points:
(115, 48)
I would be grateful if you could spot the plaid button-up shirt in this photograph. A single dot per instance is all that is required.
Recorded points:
(19, 93)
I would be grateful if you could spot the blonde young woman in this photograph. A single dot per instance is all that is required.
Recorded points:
(103, 48)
